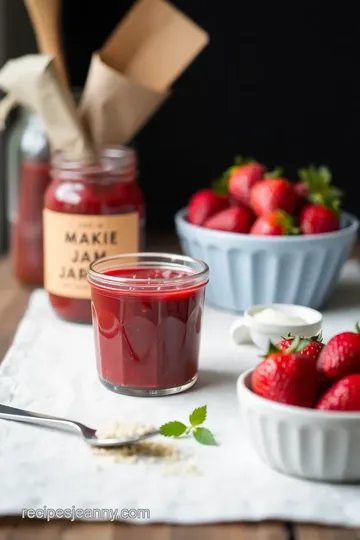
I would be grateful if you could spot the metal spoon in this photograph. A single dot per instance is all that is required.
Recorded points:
(88, 434)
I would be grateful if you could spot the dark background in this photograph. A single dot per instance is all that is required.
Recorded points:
(277, 82)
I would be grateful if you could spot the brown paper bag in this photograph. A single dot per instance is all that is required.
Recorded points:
(32, 81)
(106, 121)
(132, 74)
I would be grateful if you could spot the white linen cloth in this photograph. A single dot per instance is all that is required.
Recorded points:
(50, 368)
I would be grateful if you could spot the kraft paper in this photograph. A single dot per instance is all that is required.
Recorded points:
(131, 76)
(32, 81)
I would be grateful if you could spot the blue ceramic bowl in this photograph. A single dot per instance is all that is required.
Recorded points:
(246, 270)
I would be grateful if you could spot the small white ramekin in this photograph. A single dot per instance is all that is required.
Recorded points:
(306, 443)
(262, 333)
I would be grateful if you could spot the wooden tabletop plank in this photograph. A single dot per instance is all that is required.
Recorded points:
(317, 532)
(13, 303)
(61, 530)
(232, 531)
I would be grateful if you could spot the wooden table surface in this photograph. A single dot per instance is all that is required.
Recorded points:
(13, 302)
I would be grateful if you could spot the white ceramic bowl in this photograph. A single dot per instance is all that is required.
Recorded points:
(306, 443)
(262, 333)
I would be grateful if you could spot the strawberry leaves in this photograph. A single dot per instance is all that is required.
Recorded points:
(201, 434)
(198, 416)
(276, 173)
(286, 222)
(320, 189)
(173, 429)
(204, 436)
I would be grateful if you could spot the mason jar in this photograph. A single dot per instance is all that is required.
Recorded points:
(92, 210)
(28, 176)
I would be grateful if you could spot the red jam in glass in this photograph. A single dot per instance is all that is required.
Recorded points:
(91, 211)
(27, 226)
(147, 313)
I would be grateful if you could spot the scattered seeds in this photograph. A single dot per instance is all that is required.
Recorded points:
(130, 453)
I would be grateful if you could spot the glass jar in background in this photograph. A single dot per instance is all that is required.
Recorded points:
(91, 211)
(28, 176)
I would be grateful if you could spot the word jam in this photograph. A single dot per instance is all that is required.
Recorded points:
(89, 247)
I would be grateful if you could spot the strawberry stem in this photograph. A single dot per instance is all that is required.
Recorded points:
(357, 327)
(286, 222)
(278, 171)
(321, 191)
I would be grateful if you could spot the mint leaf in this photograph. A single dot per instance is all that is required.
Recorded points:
(204, 436)
(173, 429)
(198, 416)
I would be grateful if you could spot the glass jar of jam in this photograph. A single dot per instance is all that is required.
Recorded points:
(91, 211)
(28, 176)
(147, 312)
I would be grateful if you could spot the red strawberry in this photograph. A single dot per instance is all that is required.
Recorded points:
(302, 191)
(312, 350)
(341, 356)
(273, 194)
(204, 204)
(344, 395)
(315, 219)
(276, 223)
(315, 182)
(234, 219)
(243, 178)
(286, 377)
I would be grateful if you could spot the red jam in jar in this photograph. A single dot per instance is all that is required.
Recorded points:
(147, 313)
(27, 227)
(91, 211)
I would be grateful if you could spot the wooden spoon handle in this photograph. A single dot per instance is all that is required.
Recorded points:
(45, 17)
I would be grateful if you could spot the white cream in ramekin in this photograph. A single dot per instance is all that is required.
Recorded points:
(268, 323)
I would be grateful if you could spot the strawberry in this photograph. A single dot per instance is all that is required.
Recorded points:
(315, 182)
(204, 204)
(344, 395)
(243, 178)
(276, 223)
(316, 187)
(234, 219)
(341, 356)
(315, 219)
(312, 350)
(302, 192)
(287, 376)
(273, 194)
(221, 185)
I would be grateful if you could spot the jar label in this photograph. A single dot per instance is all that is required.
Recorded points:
(73, 241)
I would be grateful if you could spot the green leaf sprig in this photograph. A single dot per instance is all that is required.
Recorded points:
(201, 434)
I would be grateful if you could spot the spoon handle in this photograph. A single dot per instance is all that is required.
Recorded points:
(28, 417)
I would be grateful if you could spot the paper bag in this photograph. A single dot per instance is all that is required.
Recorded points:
(32, 81)
(132, 74)
(107, 121)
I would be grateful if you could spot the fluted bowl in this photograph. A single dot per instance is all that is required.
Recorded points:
(307, 443)
(246, 270)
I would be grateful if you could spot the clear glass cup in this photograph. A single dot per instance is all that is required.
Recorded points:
(147, 313)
